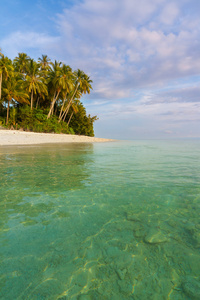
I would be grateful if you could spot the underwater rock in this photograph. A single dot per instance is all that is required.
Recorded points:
(131, 217)
(123, 261)
(192, 288)
(138, 230)
(172, 223)
(139, 233)
(137, 226)
(155, 237)
(121, 273)
(113, 252)
(81, 278)
(125, 287)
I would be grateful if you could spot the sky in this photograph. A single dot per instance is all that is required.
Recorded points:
(142, 55)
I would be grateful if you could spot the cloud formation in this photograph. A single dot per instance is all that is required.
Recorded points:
(143, 57)
(134, 44)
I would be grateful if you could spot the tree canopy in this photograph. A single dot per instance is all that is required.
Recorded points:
(43, 96)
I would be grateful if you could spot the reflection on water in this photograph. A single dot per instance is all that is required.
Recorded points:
(102, 221)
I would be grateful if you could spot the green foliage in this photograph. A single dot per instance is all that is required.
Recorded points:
(35, 120)
(13, 115)
(81, 123)
(2, 121)
(43, 96)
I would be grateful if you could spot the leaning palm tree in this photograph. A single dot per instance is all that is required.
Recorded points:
(74, 107)
(53, 84)
(34, 82)
(70, 102)
(69, 79)
(59, 81)
(83, 84)
(13, 91)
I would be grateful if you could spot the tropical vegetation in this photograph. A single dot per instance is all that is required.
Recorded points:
(43, 96)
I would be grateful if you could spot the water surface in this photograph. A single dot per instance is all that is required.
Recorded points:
(100, 221)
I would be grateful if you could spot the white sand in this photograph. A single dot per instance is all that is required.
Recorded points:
(15, 137)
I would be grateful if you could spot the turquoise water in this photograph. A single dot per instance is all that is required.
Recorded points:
(100, 221)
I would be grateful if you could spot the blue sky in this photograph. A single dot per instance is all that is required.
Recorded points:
(143, 57)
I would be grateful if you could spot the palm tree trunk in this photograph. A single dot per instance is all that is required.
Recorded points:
(62, 106)
(66, 112)
(32, 99)
(7, 112)
(70, 118)
(61, 109)
(52, 104)
(68, 106)
(55, 111)
(37, 102)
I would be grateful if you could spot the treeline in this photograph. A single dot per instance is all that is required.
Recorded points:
(43, 96)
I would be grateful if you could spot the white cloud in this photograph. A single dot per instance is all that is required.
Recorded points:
(117, 45)
(131, 49)
(169, 13)
(116, 38)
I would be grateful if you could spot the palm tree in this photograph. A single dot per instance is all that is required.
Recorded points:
(74, 110)
(40, 96)
(60, 80)
(69, 77)
(14, 91)
(34, 82)
(74, 102)
(54, 87)
(83, 84)
(5, 68)
(44, 62)
(21, 62)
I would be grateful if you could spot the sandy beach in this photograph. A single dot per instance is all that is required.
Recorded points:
(15, 137)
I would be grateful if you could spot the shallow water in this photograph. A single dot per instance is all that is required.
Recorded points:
(100, 221)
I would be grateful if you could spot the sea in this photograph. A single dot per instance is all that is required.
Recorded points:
(108, 221)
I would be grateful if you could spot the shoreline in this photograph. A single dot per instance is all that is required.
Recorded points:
(16, 137)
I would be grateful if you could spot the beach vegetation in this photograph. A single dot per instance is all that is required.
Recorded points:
(13, 89)
(43, 96)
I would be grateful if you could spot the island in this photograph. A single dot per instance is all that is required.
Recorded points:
(43, 96)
